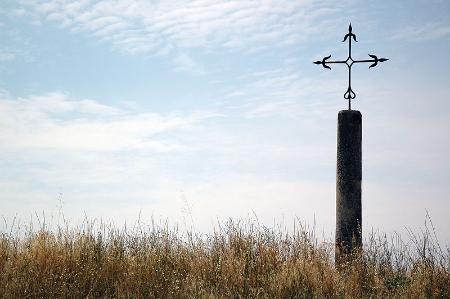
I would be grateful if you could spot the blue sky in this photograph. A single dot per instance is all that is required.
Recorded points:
(196, 111)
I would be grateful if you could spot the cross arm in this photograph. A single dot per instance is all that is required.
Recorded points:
(325, 61)
(374, 61)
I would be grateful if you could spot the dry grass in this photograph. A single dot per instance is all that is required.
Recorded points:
(240, 260)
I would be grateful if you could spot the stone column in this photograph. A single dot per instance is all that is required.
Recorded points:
(348, 184)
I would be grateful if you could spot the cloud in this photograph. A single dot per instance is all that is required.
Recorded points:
(138, 26)
(422, 32)
(186, 63)
(55, 121)
(15, 46)
(284, 92)
(6, 55)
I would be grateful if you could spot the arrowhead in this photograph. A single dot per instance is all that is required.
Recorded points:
(317, 62)
(350, 28)
(383, 59)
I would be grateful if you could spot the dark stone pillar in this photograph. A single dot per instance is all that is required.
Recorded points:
(348, 183)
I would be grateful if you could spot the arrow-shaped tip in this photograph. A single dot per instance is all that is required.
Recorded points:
(350, 27)
(383, 59)
(317, 62)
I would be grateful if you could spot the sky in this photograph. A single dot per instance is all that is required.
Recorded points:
(193, 112)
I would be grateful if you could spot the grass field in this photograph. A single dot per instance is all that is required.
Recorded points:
(238, 260)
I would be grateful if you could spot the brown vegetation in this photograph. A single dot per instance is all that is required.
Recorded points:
(237, 261)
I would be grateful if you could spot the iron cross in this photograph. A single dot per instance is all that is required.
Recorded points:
(350, 94)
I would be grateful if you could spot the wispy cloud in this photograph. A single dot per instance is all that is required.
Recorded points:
(6, 55)
(15, 46)
(280, 92)
(143, 26)
(55, 121)
(184, 62)
(422, 32)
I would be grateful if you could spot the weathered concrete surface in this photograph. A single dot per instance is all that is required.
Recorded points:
(348, 183)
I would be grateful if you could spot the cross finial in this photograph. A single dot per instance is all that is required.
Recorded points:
(350, 94)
